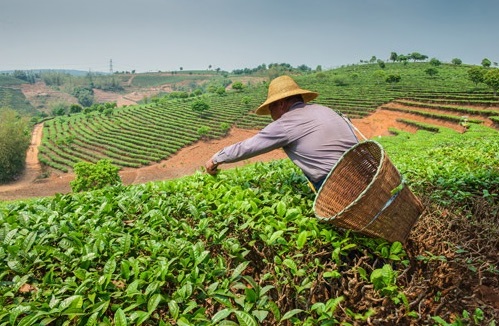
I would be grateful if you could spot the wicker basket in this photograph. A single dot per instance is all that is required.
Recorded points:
(365, 192)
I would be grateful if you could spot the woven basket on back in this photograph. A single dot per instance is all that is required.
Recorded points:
(365, 192)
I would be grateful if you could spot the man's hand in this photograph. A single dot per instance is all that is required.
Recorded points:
(211, 167)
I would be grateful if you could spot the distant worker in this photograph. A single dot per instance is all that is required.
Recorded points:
(313, 136)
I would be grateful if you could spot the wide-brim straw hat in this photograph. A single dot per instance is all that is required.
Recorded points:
(282, 87)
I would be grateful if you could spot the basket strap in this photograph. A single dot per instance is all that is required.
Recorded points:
(352, 126)
(395, 192)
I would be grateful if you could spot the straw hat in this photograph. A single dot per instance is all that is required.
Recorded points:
(282, 87)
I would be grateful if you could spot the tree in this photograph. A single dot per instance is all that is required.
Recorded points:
(394, 56)
(435, 62)
(200, 107)
(402, 58)
(23, 75)
(456, 61)
(75, 108)
(85, 95)
(393, 79)
(90, 176)
(416, 56)
(486, 63)
(14, 142)
(491, 78)
(304, 68)
(381, 64)
(58, 109)
(431, 71)
(475, 74)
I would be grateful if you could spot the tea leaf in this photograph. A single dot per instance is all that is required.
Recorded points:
(245, 319)
(138, 317)
(120, 318)
(222, 314)
(153, 302)
(289, 263)
(239, 269)
(260, 314)
(92, 320)
(29, 241)
(302, 239)
(126, 241)
(396, 248)
(281, 209)
(291, 313)
(201, 257)
(75, 301)
(275, 310)
(28, 320)
(174, 309)
(276, 235)
(251, 295)
(9, 237)
(110, 267)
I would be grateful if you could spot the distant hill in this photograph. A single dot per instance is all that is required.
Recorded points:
(71, 72)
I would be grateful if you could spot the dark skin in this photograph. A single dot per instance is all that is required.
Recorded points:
(277, 109)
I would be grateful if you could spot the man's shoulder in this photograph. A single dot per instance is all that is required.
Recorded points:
(320, 109)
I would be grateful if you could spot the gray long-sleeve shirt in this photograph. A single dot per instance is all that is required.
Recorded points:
(313, 136)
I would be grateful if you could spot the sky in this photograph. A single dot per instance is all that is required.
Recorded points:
(166, 35)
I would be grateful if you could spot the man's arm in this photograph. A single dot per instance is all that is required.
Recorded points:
(271, 137)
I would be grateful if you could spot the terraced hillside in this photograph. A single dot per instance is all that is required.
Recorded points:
(423, 113)
(139, 135)
(136, 136)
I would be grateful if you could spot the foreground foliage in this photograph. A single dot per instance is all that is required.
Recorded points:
(244, 248)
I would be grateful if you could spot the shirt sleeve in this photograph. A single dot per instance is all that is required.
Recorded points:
(269, 138)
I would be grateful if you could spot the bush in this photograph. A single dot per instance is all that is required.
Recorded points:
(200, 107)
(90, 176)
(238, 86)
(203, 131)
(225, 127)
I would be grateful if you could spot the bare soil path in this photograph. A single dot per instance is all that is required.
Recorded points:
(187, 161)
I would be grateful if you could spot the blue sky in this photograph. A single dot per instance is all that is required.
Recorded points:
(152, 35)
